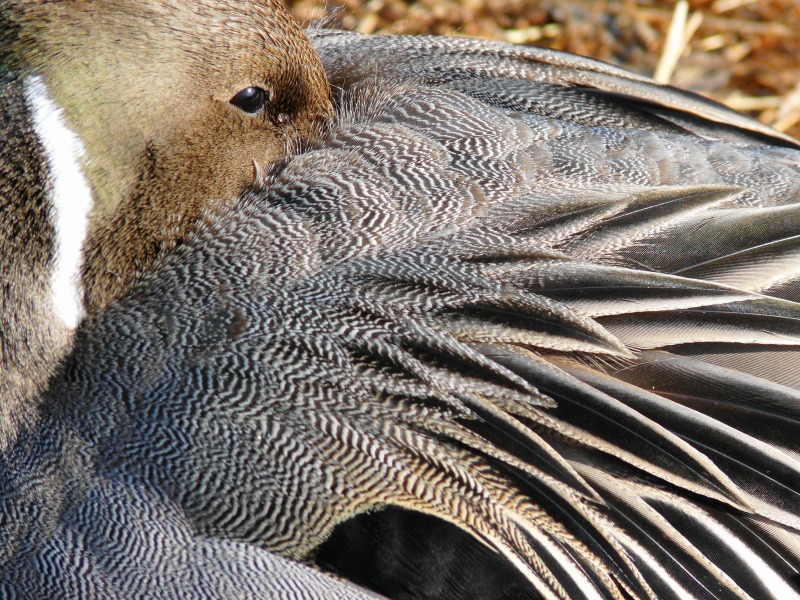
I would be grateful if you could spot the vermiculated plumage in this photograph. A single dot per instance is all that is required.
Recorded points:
(512, 291)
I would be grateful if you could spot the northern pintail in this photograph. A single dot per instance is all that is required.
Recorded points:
(161, 112)
(517, 324)
(165, 124)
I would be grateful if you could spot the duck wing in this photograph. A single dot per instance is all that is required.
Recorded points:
(628, 222)
(539, 80)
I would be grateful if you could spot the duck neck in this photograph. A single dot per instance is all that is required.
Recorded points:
(35, 328)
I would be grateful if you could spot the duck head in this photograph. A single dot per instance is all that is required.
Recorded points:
(174, 102)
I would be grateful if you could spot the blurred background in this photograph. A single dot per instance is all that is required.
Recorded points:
(744, 53)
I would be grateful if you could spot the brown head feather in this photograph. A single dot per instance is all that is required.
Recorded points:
(147, 85)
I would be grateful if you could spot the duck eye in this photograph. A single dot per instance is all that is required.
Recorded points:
(250, 100)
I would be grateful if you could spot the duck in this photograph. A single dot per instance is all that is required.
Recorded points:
(511, 324)
(154, 134)
(147, 146)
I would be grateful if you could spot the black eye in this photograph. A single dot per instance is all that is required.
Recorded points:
(250, 100)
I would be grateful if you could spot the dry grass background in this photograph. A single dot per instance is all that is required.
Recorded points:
(745, 53)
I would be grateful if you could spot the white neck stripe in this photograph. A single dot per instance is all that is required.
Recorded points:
(71, 197)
